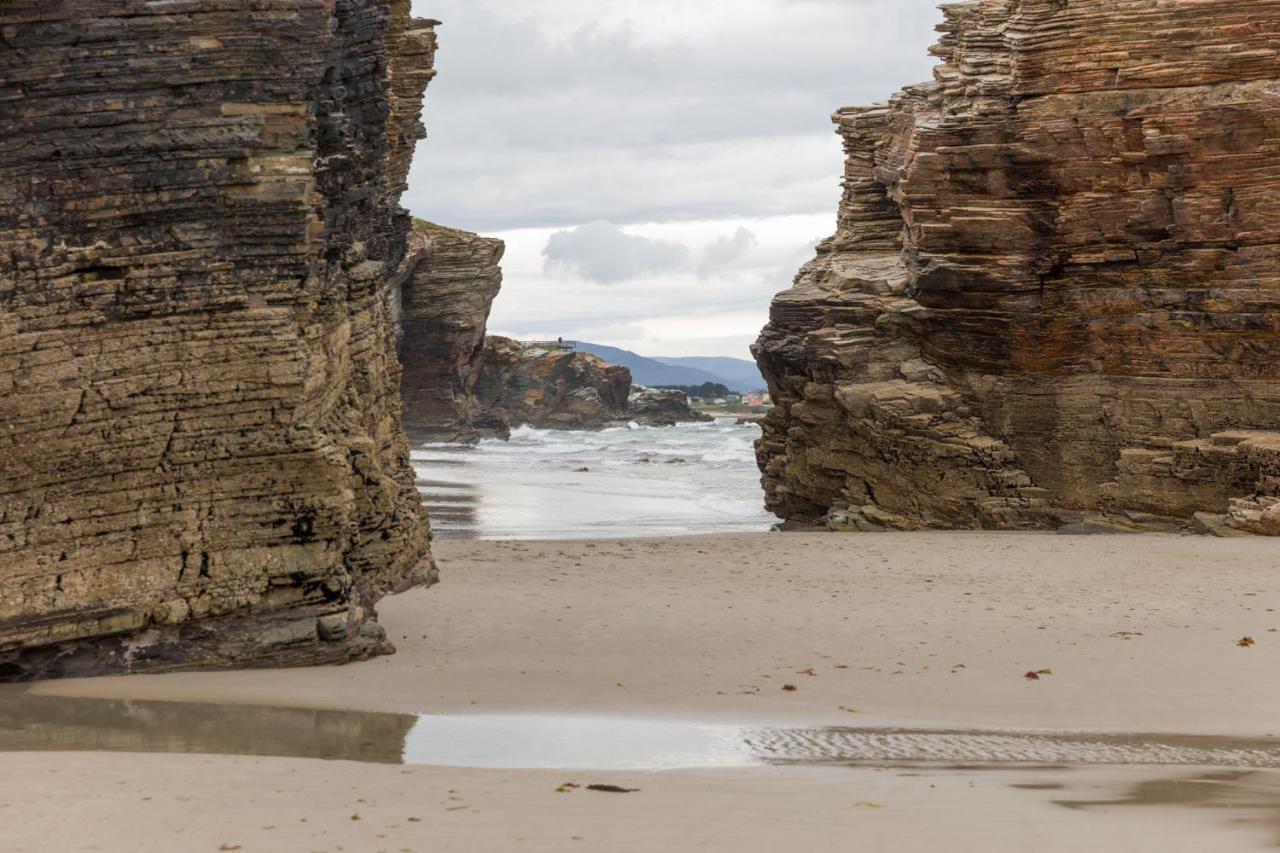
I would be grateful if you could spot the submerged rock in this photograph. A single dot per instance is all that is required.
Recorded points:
(1053, 297)
(202, 457)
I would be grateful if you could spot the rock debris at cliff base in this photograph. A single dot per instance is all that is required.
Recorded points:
(203, 463)
(1053, 297)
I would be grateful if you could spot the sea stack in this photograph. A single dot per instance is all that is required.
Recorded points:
(203, 462)
(446, 290)
(1053, 296)
(549, 386)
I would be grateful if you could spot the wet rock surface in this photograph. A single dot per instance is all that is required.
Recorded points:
(203, 463)
(1053, 297)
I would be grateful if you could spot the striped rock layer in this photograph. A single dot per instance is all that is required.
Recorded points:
(201, 457)
(1053, 297)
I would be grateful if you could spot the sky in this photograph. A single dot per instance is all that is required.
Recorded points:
(659, 169)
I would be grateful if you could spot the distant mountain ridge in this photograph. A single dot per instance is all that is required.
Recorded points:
(737, 373)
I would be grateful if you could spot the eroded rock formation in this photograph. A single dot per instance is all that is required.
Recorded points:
(1054, 293)
(201, 460)
(548, 388)
(662, 407)
(446, 289)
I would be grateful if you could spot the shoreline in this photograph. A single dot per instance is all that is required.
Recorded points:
(708, 628)
(693, 628)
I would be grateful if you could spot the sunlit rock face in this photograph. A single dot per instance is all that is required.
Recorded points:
(1053, 297)
(447, 288)
(201, 459)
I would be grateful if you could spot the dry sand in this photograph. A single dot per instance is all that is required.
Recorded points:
(917, 630)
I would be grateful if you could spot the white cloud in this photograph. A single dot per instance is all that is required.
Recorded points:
(604, 253)
(674, 312)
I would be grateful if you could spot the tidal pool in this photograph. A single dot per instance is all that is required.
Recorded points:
(531, 741)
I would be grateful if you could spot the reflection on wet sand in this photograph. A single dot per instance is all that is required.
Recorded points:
(30, 722)
(34, 722)
(1252, 796)
(452, 505)
(573, 484)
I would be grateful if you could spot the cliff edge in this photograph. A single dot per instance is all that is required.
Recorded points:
(448, 284)
(202, 457)
(1053, 296)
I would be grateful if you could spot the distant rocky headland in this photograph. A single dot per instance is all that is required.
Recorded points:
(460, 384)
(506, 383)
(1053, 296)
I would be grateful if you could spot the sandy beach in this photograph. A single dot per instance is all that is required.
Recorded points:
(1140, 634)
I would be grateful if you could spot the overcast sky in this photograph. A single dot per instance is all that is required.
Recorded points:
(658, 168)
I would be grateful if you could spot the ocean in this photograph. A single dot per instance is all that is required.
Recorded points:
(624, 481)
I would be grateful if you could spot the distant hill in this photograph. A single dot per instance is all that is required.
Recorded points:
(738, 373)
(679, 371)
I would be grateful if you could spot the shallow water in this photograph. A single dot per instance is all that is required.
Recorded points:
(617, 482)
(32, 722)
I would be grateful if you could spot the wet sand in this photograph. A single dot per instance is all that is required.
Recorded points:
(929, 630)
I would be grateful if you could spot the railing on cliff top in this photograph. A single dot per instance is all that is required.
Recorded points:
(562, 345)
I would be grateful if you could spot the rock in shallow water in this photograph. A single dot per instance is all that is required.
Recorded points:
(548, 388)
(203, 463)
(1054, 292)
(662, 407)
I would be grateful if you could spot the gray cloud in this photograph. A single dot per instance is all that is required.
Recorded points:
(604, 253)
(567, 111)
(725, 252)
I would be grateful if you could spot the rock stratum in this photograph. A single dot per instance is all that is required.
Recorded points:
(202, 457)
(445, 288)
(1053, 297)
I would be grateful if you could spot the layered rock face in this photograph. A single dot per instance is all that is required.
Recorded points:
(547, 388)
(202, 460)
(1054, 292)
(446, 289)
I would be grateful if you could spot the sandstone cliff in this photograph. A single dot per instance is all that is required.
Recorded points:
(548, 388)
(446, 288)
(1054, 292)
(202, 459)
